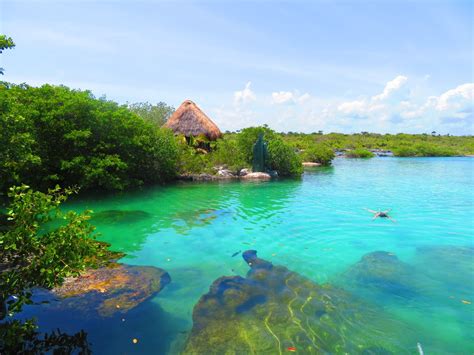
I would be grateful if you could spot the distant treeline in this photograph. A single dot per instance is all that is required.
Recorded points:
(402, 145)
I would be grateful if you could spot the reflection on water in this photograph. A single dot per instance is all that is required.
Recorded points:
(418, 270)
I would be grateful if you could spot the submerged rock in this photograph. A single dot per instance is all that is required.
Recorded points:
(274, 309)
(381, 271)
(109, 290)
(451, 265)
(119, 216)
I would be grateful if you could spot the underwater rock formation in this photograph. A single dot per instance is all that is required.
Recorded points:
(109, 290)
(381, 271)
(274, 310)
(119, 216)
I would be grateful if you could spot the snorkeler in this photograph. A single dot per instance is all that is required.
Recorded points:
(381, 214)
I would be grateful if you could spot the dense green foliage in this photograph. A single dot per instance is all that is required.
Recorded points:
(157, 114)
(224, 152)
(5, 43)
(55, 135)
(283, 158)
(227, 152)
(401, 144)
(318, 153)
(359, 153)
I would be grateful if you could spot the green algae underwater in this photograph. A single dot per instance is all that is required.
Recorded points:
(327, 278)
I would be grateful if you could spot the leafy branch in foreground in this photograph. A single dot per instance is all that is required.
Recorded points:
(35, 254)
(32, 256)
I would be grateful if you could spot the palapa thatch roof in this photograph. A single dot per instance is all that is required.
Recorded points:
(189, 120)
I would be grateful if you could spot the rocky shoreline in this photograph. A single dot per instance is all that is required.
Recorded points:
(225, 174)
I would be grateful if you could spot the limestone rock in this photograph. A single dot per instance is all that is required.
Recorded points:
(257, 176)
(244, 172)
(225, 173)
(112, 289)
(273, 309)
(309, 164)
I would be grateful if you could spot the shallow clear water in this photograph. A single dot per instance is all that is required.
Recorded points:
(316, 226)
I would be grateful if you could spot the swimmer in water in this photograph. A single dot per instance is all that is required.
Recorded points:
(381, 214)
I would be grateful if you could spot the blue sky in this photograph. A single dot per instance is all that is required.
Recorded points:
(379, 66)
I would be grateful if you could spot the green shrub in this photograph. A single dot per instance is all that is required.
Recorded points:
(359, 153)
(405, 151)
(192, 160)
(156, 114)
(319, 153)
(424, 150)
(283, 158)
(226, 151)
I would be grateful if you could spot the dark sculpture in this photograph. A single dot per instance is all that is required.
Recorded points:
(260, 155)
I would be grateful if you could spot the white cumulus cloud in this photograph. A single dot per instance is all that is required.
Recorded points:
(390, 87)
(376, 103)
(388, 109)
(357, 106)
(282, 97)
(285, 97)
(244, 96)
(456, 98)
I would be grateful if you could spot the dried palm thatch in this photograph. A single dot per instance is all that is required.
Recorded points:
(189, 120)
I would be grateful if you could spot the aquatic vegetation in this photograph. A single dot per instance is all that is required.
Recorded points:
(274, 309)
(184, 221)
(119, 216)
(98, 144)
(109, 290)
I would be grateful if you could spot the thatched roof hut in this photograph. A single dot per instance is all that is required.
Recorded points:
(189, 120)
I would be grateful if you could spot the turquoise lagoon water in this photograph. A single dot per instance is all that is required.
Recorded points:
(316, 226)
